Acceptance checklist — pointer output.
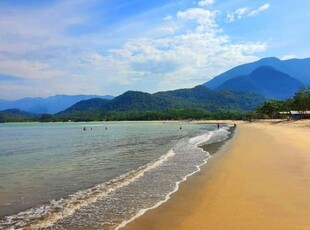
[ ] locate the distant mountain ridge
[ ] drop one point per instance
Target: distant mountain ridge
(199, 97)
(198, 102)
(241, 89)
(52, 104)
(16, 115)
(265, 81)
(296, 68)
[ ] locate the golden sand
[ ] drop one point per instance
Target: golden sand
(258, 180)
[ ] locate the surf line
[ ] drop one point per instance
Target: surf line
(47, 215)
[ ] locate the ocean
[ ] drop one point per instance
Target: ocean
(94, 175)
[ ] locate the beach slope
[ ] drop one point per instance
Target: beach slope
(258, 180)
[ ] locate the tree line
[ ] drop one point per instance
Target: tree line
(273, 108)
(268, 109)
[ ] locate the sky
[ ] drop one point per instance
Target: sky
(50, 47)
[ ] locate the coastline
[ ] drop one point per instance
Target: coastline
(210, 148)
(258, 179)
(187, 149)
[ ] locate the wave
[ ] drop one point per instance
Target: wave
(46, 215)
(195, 142)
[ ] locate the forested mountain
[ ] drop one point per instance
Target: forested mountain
(16, 115)
(296, 68)
(51, 104)
(265, 81)
(198, 98)
(234, 92)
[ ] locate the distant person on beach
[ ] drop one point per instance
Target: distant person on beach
(235, 125)
(218, 125)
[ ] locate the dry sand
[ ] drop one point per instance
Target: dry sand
(258, 180)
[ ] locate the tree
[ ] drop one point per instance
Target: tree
(271, 108)
(46, 118)
(301, 100)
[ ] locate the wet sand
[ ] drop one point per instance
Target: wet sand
(260, 179)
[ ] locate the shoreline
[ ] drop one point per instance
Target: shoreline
(138, 121)
(239, 190)
(209, 148)
(199, 163)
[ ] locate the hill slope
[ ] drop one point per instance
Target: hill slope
(197, 98)
(16, 115)
(265, 81)
(53, 104)
(296, 68)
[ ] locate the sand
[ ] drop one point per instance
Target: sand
(260, 179)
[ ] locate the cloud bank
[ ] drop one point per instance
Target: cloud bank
(205, 2)
(245, 12)
(57, 49)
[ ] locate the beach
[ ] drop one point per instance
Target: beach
(260, 179)
(97, 178)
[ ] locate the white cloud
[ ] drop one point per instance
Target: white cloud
(168, 17)
(204, 18)
(288, 56)
(185, 49)
(181, 60)
(230, 17)
(245, 12)
(32, 29)
(259, 10)
(205, 2)
(28, 69)
(241, 12)
(165, 30)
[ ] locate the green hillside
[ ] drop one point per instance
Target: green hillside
(16, 115)
(198, 102)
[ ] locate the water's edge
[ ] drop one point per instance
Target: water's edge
(210, 149)
(49, 214)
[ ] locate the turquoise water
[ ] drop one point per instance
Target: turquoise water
(57, 175)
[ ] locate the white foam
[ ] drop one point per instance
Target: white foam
(200, 139)
(168, 196)
(195, 142)
(47, 215)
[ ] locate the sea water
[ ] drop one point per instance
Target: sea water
(94, 175)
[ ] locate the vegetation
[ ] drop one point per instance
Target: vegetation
(16, 115)
(196, 103)
(169, 114)
(272, 108)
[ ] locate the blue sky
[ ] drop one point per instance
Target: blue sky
(111, 46)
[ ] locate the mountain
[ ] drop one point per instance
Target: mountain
(197, 98)
(16, 115)
(53, 104)
(87, 105)
(130, 100)
(296, 68)
(265, 81)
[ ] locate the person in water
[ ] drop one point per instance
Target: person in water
(218, 125)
